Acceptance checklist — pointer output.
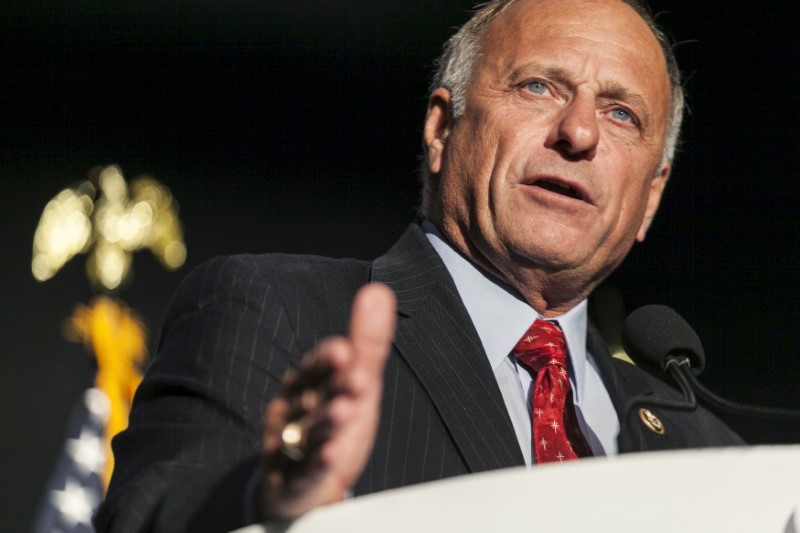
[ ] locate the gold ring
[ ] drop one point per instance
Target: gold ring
(291, 437)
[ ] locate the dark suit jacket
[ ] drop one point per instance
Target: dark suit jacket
(238, 323)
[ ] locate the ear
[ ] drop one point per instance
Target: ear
(437, 128)
(654, 199)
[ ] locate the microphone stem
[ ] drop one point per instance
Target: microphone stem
(679, 368)
(776, 413)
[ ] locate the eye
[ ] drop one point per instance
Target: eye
(621, 115)
(537, 87)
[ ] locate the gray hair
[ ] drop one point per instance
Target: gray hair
(461, 53)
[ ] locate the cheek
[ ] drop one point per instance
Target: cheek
(472, 162)
(481, 149)
(457, 188)
(632, 208)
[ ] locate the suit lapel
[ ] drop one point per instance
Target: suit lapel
(623, 382)
(436, 338)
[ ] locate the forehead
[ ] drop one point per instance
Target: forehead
(604, 38)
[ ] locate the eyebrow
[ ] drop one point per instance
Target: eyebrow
(616, 91)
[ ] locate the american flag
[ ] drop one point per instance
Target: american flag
(75, 488)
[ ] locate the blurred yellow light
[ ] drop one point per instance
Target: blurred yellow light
(174, 255)
(117, 223)
(64, 230)
(113, 184)
(42, 267)
(112, 264)
(143, 213)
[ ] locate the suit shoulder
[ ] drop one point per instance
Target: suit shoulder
(320, 290)
(245, 270)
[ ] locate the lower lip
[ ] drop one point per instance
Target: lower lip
(553, 197)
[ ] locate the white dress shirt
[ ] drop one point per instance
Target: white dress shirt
(501, 317)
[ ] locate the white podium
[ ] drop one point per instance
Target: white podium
(728, 490)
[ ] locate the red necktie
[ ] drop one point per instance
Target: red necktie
(555, 432)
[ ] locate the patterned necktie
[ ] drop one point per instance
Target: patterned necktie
(555, 432)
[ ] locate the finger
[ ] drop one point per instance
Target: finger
(275, 419)
(318, 368)
(297, 453)
(372, 326)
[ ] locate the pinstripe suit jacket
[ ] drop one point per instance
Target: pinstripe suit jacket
(238, 323)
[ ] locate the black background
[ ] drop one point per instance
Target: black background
(295, 126)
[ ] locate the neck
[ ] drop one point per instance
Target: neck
(549, 291)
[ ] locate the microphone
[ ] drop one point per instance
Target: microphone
(654, 335)
(644, 334)
(659, 340)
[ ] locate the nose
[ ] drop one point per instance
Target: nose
(575, 133)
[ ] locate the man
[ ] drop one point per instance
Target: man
(548, 143)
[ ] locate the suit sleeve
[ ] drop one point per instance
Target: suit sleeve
(193, 441)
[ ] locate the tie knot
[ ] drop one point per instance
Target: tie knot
(543, 344)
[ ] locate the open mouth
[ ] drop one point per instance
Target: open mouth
(559, 188)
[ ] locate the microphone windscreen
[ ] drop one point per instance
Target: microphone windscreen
(653, 332)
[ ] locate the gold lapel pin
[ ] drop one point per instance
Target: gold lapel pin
(651, 421)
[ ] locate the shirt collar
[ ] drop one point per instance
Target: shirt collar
(500, 315)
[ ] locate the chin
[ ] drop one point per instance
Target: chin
(562, 247)
(548, 258)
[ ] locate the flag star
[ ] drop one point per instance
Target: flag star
(555, 426)
(98, 405)
(75, 503)
(529, 338)
(551, 344)
(538, 412)
(560, 457)
(87, 452)
(543, 442)
(562, 372)
(551, 396)
(552, 362)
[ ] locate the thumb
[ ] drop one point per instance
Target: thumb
(372, 325)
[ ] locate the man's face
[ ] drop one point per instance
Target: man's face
(555, 166)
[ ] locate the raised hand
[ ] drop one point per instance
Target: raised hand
(320, 428)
